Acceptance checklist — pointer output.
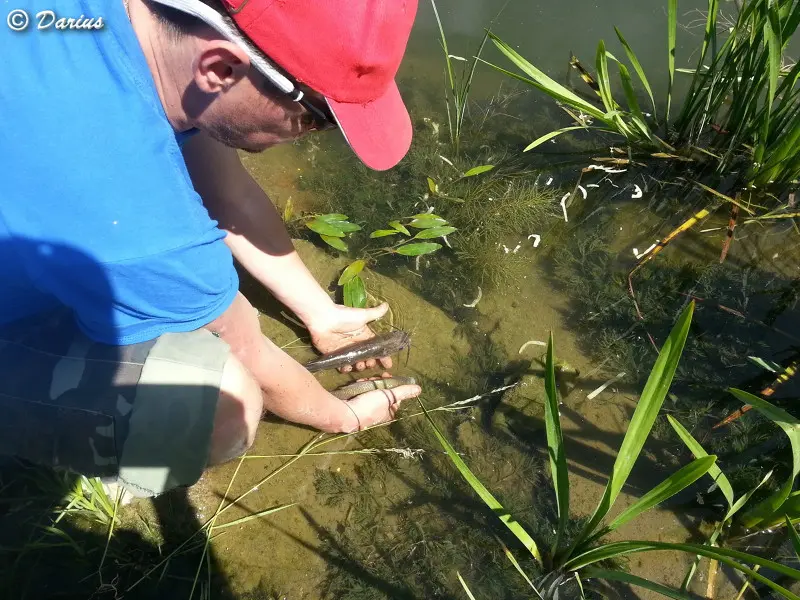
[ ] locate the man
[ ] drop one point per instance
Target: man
(125, 347)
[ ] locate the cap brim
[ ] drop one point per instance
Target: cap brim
(379, 132)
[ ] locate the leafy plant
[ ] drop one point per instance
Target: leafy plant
(779, 508)
(583, 558)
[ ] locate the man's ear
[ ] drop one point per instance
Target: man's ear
(220, 66)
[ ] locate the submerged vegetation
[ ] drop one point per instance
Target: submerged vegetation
(582, 559)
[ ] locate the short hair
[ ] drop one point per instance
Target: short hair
(178, 24)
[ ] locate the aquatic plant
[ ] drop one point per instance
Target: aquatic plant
(581, 557)
(741, 520)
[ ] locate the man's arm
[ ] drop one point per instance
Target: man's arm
(258, 239)
(289, 390)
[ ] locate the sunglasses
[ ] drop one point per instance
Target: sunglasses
(319, 111)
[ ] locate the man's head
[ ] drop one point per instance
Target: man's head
(254, 73)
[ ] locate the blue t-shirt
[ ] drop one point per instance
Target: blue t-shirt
(97, 211)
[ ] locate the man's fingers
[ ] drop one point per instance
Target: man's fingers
(405, 392)
(386, 362)
(346, 369)
(370, 362)
(373, 314)
(360, 366)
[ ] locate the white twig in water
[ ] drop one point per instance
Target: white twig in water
(536, 239)
(506, 249)
(416, 262)
(447, 160)
(474, 399)
(446, 241)
(564, 207)
(603, 387)
(530, 343)
(583, 191)
(637, 192)
(516, 248)
(474, 303)
(712, 229)
(592, 185)
(549, 181)
(293, 320)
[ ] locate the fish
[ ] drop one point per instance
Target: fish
(380, 345)
(362, 387)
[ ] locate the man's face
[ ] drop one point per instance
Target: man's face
(253, 116)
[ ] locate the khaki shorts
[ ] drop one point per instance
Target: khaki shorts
(141, 414)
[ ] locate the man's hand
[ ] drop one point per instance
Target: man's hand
(378, 406)
(341, 326)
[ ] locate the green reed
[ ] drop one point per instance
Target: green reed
(583, 557)
(741, 112)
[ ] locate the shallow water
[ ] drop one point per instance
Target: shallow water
(385, 526)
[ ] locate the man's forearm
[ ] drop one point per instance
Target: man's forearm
(256, 234)
(289, 390)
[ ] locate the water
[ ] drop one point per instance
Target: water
(383, 526)
(387, 526)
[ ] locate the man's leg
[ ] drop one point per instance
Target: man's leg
(155, 414)
(239, 411)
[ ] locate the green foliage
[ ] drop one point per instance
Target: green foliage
(568, 560)
(740, 90)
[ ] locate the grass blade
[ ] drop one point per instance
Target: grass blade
(699, 452)
(793, 537)
(485, 495)
(732, 558)
(603, 80)
(650, 402)
(791, 427)
(512, 559)
(637, 581)
(555, 443)
(464, 585)
(637, 67)
(672, 34)
(673, 484)
(544, 82)
(552, 134)
(257, 515)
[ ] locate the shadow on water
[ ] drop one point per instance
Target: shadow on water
(41, 555)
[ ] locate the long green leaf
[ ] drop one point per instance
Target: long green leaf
(543, 81)
(791, 427)
(793, 537)
(772, 33)
(637, 581)
(699, 452)
(603, 80)
(732, 558)
(637, 67)
(672, 34)
(745, 498)
(630, 94)
(351, 271)
(650, 402)
(513, 560)
(379, 233)
(555, 443)
(485, 495)
(551, 135)
(399, 227)
(673, 484)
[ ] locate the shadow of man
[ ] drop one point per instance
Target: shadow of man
(66, 408)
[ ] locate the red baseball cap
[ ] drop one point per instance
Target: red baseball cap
(348, 51)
